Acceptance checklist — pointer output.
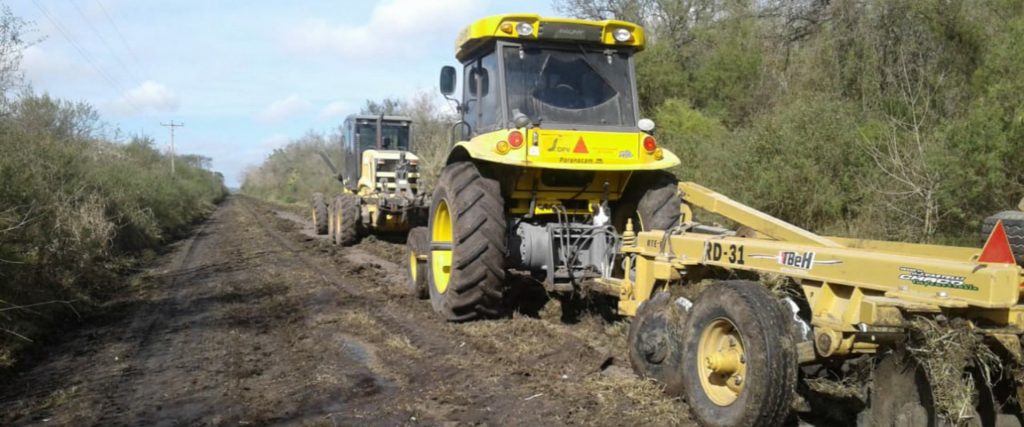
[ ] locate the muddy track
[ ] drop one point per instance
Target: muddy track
(256, 321)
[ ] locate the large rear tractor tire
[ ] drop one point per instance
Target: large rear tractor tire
(349, 222)
(651, 200)
(417, 245)
(318, 208)
(467, 244)
(656, 342)
(739, 357)
(1013, 223)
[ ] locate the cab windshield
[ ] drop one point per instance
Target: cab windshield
(570, 86)
(394, 136)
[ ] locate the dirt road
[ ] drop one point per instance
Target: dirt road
(253, 321)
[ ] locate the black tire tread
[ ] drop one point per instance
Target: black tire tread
(348, 232)
(477, 281)
(760, 306)
(654, 197)
(418, 241)
(1013, 223)
(319, 205)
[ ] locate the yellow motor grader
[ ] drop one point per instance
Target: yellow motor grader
(553, 175)
(379, 177)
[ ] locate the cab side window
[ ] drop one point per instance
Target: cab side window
(481, 94)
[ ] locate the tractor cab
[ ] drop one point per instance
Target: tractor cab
(553, 93)
(378, 154)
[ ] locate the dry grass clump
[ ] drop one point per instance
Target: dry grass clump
(945, 350)
(845, 387)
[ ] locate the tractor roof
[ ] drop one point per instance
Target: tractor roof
(557, 30)
(374, 117)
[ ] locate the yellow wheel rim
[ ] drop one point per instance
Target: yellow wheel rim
(721, 362)
(441, 235)
(412, 265)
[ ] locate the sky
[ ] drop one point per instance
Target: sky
(243, 76)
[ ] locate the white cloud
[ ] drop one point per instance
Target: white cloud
(150, 95)
(283, 109)
(335, 110)
(395, 27)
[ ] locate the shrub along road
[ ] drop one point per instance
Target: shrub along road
(253, 320)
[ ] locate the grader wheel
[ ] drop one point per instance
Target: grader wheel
(467, 244)
(739, 357)
(347, 220)
(332, 220)
(417, 245)
(318, 213)
(655, 342)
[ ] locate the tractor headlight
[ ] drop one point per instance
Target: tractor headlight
(524, 29)
(622, 35)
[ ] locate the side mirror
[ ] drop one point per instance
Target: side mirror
(646, 125)
(447, 80)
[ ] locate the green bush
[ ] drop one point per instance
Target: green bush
(74, 206)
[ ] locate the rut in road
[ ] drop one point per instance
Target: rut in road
(251, 321)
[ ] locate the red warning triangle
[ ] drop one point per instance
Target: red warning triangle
(581, 147)
(997, 247)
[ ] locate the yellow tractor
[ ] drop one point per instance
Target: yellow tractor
(551, 158)
(379, 177)
(555, 176)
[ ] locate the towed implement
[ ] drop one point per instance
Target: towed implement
(380, 189)
(777, 307)
(555, 178)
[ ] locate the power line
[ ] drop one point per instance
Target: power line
(64, 33)
(120, 35)
(103, 40)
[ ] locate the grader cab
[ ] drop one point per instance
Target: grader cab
(379, 176)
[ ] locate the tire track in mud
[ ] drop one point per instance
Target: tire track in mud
(116, 390)
(423, 338)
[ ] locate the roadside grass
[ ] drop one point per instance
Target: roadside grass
(78, 209)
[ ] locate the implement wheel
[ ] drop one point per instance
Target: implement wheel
(417, 245)
(899, 395)
(650, 200)
(739, 357)
(347, 220)
(467, 244)
(656, 342)
(318, 213)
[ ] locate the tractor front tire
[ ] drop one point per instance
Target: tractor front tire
(318, 213)
(739, 356)
(467, 245)
(1013, 223)
(348, 220)
(417, 245)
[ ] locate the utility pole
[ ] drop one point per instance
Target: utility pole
(172, 125)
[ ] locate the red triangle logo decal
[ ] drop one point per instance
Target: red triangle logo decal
(581, 147)
(997, 247)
